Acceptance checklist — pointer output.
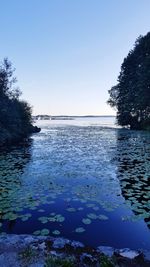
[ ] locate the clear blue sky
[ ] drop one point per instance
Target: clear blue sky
(68, 53)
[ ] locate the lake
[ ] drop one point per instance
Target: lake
(83, 179)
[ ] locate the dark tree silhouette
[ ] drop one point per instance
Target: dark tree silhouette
(131, 95)
(15, 115)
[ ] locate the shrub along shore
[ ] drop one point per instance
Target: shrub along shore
(8, 138)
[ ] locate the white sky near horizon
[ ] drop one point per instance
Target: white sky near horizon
(68, 54)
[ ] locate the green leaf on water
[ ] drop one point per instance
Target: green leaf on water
(86, 221)
(38, 232)
(102, 217)
(43, 219)
(92, 216)
(71, 209)
(44, 231)
(80, 230)
(56, 232)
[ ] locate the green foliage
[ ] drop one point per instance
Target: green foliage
(15, 115)
(27, 254)
(55, 262)
(131, 96)
(105, 261)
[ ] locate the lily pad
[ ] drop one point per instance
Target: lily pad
(43, 219)
(102, 217)
(71, 209)
(80, 230)
(92, 216)
(86, 221)
(44, 231)
(59, 218)
(56, 232)
(38, 232)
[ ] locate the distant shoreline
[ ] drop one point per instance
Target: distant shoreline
(67, 117)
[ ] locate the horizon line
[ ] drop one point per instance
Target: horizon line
(75, 115)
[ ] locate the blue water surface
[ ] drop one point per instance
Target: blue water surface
(83, 179)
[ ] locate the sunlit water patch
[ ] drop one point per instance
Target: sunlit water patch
(80, 180)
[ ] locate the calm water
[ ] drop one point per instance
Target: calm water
(82, 179)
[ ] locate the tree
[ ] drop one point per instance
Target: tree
(131, 95)
(7, 80)
(15, 114)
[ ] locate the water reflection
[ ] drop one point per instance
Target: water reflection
(16, 156)
(133, 171)
(12, 164)
(65, 182)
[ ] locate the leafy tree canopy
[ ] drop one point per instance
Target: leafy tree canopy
(131, 95)
(15, 114)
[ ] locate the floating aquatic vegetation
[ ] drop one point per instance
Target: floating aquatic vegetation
(86, 221)
(44, 231)
(90, 172)
(25, 217)
(10, 216)
(43, 219)
(53, 218)
(37, 232)
(56, 232)
(92, 216)
(102, 217)
(58, 218)
(80, 230)
(71, 209)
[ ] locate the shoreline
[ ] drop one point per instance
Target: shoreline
(41, 251)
